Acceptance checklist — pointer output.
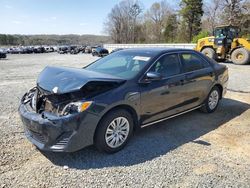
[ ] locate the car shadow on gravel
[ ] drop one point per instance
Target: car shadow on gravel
(156, 140)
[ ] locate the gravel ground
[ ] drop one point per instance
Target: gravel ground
(192, 150)
(239, 77)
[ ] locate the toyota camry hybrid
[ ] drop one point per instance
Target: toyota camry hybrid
(104, 102)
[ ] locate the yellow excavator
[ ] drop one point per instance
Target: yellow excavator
(226, 45)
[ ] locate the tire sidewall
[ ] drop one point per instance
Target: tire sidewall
(100, 141)
(210, 51)
(243, 61)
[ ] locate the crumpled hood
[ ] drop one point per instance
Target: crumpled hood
(64, 80)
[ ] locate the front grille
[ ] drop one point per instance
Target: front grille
(37, 136)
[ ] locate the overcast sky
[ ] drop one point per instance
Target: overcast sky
(57, 16)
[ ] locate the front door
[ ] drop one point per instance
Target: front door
(161, 98)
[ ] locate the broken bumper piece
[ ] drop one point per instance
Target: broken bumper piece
(60, 134)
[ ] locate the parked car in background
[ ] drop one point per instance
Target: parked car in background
(27, 50)
(30, 49)
(88, 49)
(15, 50)
(103, 103)
(63, 50)
(73, 49)
(48, 49)
(39, 49)
(82, 48)
(100, 52)
(8, 50)
(93, 48)
(3, 53)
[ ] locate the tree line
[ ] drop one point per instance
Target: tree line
(128, 22)
(27, 40)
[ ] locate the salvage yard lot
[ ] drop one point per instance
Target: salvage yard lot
(192, 150)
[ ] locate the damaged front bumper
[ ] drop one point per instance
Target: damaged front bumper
(59, 133)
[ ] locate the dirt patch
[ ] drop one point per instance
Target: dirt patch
(205, 169)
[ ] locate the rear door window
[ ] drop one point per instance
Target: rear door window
(192, 62)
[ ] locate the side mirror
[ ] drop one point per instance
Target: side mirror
(152, 76)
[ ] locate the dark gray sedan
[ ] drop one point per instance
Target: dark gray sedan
(3, 53)
(103, 103)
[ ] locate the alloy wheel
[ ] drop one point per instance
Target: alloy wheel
(213, 99)
(117, 132)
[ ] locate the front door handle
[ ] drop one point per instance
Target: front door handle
(187, 81)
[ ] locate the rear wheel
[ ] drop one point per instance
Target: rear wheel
(209, 52)
(114, 131)
(212, 100)
(240, 56)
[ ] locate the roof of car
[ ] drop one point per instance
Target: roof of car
(155, 50)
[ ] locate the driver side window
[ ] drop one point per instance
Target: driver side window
(167, 65)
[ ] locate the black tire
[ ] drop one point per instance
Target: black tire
(240, 56)
(207, 108)
(100, 141)
(209, 52)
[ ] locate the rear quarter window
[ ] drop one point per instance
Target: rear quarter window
(192, 62)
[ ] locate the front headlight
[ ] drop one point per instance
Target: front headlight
(76, 107)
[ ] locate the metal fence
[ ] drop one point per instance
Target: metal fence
(111, 47)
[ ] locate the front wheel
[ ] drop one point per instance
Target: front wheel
(114, 131)
(212, 101)
(209, 52)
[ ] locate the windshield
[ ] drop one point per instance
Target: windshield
(220, 33)
(229, 32)
(124, 64)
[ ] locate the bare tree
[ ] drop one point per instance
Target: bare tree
(122, 20)
(113, 26)
(232, 11)
(245, 21)
(134, 11)
(212, 14)
(155, 19)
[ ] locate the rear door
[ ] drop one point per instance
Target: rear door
(199, 78)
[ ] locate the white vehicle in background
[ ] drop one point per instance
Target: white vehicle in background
(49, 49)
